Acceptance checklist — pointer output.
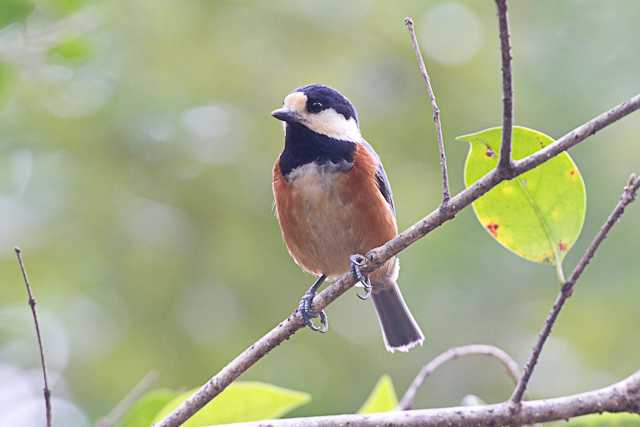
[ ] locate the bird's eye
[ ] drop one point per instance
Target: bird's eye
(316, 107)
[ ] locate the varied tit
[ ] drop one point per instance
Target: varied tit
(333, 200)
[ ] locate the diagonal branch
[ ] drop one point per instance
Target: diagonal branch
(466, 197)
(501, 356)
(436, 111)
(623, 396)
(376, 257)
(628, 196)
(34, 313)
(507, 87)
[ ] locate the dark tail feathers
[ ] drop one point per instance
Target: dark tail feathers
(399, 329)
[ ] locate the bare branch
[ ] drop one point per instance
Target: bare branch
(507, 361)
(116, 414)
(436, 218)
(376, 257)
(628, 196)
(436, 111)
(507, 87)
(620, 397)
(34, 313)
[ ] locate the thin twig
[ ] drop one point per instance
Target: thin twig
(507, 361)
(436, 111)
(378, 256)
(34, 312)
(505, 164)
(116, 414)
(628, 196)
(623, 396)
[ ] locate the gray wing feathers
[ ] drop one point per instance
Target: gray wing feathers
(381, 178)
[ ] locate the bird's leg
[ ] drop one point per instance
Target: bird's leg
(357, 261)
(306, 311)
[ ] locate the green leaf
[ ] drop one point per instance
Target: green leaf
(537, 215)
(240, 402)
(143, 412)
(14, 11)
(605, 420)
(382, 398)
(74, 49)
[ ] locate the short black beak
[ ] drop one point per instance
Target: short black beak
(285, 115)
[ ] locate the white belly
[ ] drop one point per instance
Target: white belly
(327, 213)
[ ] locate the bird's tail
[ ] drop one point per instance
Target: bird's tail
(399, 330)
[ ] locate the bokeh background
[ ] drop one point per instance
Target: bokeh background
(136, 149)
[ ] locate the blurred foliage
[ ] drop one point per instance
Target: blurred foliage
(145, 409)
(606, 420)
(136, 178)
(240, 402)
(537, 215)
(382, 398)
(14, 11)
(72, 50)
(243, 402)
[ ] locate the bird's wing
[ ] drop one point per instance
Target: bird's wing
(381, 177)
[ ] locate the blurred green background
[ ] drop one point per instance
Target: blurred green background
(136, 149)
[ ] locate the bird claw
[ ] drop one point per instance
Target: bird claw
(308, 314)
(357, 261)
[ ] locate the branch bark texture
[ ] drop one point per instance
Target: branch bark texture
(376, 257)
(620, 397)
(501, 356)
(628, 196)
(32, 304)
(446, 195)
(507, 86)
(507, 169)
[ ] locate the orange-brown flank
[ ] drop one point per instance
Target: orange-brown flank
(327, 216)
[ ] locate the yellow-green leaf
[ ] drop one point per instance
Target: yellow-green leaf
(605, 420)
(382, 398)
(241, 402)
(537, 215)
(143, 412)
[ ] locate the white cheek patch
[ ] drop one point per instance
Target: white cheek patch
(333, 124)
(327, 122)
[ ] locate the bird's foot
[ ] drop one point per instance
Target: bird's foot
(357, 261)
(306, 311)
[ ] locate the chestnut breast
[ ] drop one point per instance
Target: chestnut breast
(329, 211)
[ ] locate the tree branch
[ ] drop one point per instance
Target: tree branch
(507, 87)
(34, 313)
(507, 361)
(408, 21)
(436, 218)
(620, 397)
(628, 196)
(376, 257)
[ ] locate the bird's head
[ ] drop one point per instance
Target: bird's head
(322, 110)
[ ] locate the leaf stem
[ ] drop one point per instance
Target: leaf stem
(559, 269)
(627, 197)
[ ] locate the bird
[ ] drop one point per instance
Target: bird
(333, 202)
